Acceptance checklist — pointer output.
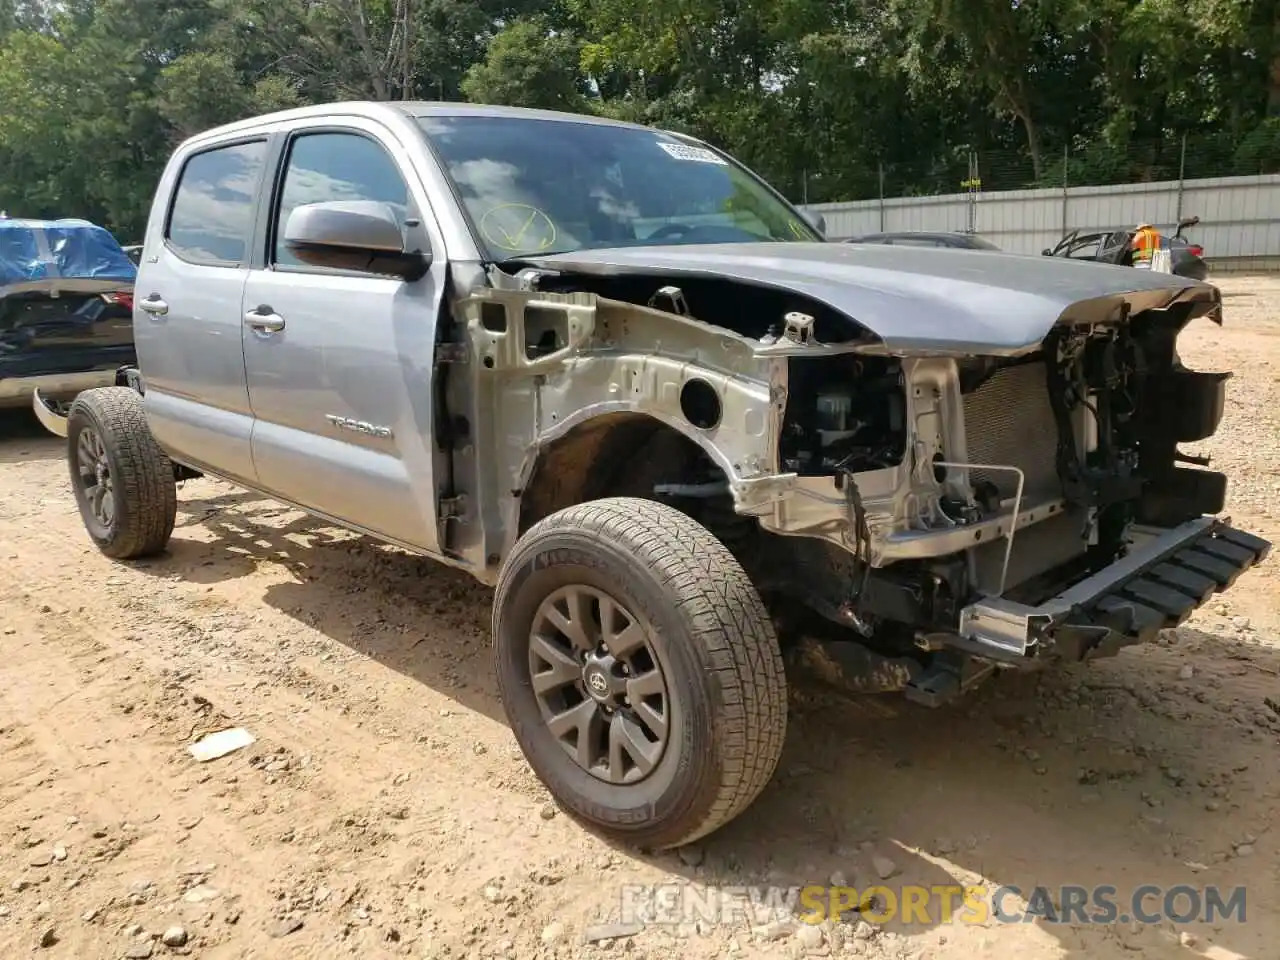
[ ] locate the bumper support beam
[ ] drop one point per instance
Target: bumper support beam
(1165, 576)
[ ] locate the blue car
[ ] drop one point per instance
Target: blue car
(66, 309)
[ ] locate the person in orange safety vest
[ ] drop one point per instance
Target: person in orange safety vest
(1146, 240)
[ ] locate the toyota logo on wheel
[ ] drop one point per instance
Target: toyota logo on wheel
(597, 682)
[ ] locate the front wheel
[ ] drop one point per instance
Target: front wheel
(122, 480)
(639, 670)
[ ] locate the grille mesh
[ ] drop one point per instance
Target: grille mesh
(1008, 420)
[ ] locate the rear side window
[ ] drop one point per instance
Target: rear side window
(337, 166)
(213, 206)
(1085, 250)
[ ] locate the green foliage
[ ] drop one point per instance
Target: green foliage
(1259, 152)
(828, 99)
(530, 64)
(201, 90)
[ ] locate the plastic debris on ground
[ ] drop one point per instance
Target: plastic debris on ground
(220, 744)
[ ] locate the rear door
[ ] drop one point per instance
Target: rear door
(340, 363)
(1084, 248)
(187, 317)
(1115, 247)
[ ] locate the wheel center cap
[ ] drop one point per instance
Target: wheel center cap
(596, 682)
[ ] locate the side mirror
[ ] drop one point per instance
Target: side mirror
(817, 221)
(352, 235)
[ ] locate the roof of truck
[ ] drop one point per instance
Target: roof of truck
(436, 108)
(414, 109)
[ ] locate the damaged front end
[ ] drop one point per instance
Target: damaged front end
(922, 515)
(1036, 507)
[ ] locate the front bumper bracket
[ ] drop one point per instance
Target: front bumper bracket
(1164, 577)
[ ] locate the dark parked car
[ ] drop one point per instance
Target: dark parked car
(1114, 246)
(66, 309)
(925, 238)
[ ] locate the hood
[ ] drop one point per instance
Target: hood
(915, 300)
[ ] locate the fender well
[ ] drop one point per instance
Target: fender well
(613, 454)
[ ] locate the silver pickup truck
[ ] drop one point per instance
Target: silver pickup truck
(611, 372)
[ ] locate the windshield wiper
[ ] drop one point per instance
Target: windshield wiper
(527, 257)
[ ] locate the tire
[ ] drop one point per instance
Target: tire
(724, 705)
(107, 425)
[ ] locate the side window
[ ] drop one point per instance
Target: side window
(1085, 250)
(336, 166)
(212, 208)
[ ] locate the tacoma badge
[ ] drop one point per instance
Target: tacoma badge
(359, 426)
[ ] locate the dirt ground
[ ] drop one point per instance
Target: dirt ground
(385, 811)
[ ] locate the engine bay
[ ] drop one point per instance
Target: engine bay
(845, 414)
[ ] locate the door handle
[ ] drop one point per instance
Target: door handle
(264, 318)
(154, 305)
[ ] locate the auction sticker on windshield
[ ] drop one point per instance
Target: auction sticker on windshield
(683, 151)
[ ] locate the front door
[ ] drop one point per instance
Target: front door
(340, 363)
(187, 298)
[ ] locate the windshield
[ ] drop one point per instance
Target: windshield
(534, 186)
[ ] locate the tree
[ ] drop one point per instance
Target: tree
(202, 90)
(529, 64)
(828, 99)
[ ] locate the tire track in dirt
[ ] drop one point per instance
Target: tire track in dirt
(143, 811)
(180, 633)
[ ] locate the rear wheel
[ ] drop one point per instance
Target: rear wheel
(639, 670)
(122, 480)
